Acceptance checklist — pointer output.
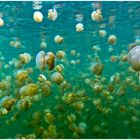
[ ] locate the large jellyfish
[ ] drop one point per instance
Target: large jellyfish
(134, 59)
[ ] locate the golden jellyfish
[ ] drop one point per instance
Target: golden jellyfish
(38, 16)
(43, 59)
(59, 68)
(12, 43)
(50, 59)
(42, 78)
(52, 14)
(8, 103)
(21, 76)
(112, 39)
(1, 22)
(25, 58)
(98, 68)
(60, 54)
(58, 39)
(98, 87)
(57, 78)
(52, 133)
(24, 104)
(79, 27)
(72, 62)
(96, 15)
(73, 52)
(49, 118)
(102, 33)
(29, 90)
(17, 44)
(82, 126)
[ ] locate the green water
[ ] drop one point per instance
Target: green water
(117, 113)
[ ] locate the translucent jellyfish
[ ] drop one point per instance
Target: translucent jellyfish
(96, 15)
(1, 22)
(102, 33)
(49, 59)
(56, 78)
(43, 59)
(25, 58)
(79, 27)
(52, 14)
(58, 39)
(38, 16)
(40, 60)
(134, 59)
(112, 39)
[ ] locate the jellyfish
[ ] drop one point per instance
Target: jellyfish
(1, 22)
(134, 59)
(38, 16)
(43, 59)
(40, 60)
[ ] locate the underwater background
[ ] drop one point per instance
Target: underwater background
(89, 101)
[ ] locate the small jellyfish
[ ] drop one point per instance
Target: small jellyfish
(42, 78)
(43, 45)
(60, 54)
(134, 59)
(38, 16)
(112, 40)
(52, 14)
(96, 15)
(25, 58)
(58, 39)
(79, 27)
(1, 22)
(57, 78)
(102, 33)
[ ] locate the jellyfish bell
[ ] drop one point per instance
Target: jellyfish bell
(40, 60)
(79, 27)
(57, 78)
(43, 59)
(1, 22)
(52, 14)
(112, 39)
(58, 39)
(50, 59)
(134, 58)
(25, 58)
(38, 16)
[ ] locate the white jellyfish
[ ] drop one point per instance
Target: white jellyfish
(38, 16)
(52, 14)
(134, 59)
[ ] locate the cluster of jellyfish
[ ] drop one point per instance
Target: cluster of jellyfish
(75, 111)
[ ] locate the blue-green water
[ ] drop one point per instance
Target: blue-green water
(84, 104)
